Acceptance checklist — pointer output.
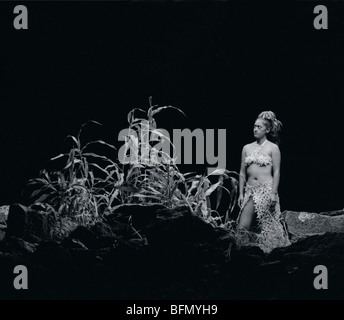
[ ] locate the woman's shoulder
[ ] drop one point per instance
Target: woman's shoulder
(248, 146)
(252, 144)
(273, 145)
(245, 146)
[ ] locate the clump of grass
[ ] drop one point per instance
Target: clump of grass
(150, 181)
(199, 189)
(77, 191)
(90, 186)
(153, 178)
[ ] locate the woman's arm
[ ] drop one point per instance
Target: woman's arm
(242, 175)
(276, 162)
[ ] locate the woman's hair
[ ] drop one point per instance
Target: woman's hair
(274, 124)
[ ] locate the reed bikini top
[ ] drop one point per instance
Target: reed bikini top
(259, 159)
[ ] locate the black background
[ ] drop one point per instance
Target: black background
(222, 63)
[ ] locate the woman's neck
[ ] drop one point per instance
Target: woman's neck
(261, 140)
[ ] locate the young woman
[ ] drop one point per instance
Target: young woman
(260, 213)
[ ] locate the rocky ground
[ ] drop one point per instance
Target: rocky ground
(176, 255)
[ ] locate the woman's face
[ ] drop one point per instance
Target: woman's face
(260, 128)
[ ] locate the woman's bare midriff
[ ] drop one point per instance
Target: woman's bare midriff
(258, 174)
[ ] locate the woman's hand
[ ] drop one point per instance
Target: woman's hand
(240, 200)
(273, 199)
